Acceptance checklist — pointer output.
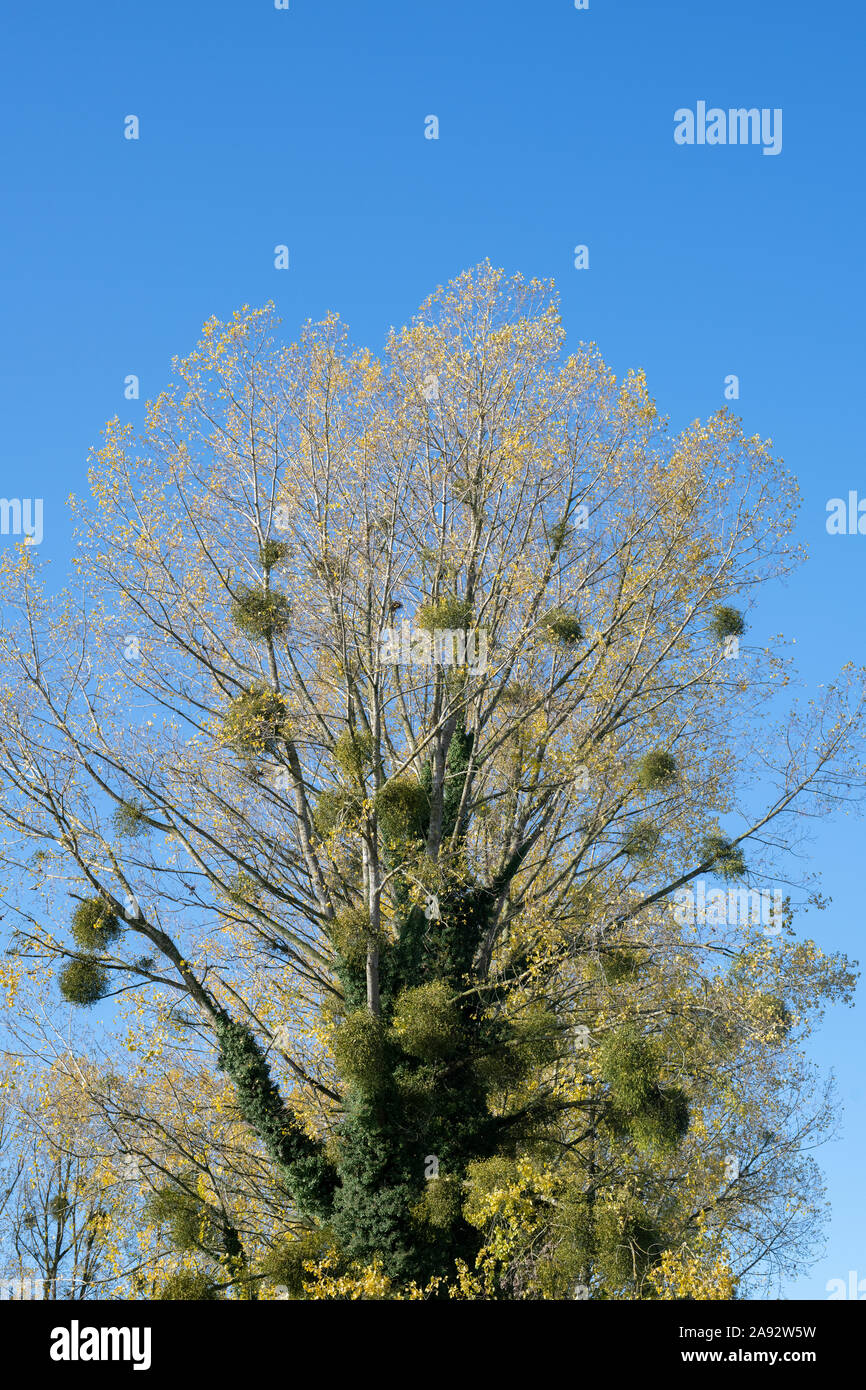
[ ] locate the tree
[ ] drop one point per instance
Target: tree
(382, 733)
(63, 1204)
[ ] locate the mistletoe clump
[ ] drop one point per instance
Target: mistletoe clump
(361, 1051)
(626, 1242)
(188, 1286)
(656, 1118)
(629, 1065)
(351, 932)
(427, 1022)
(657, 769)
(129, 819)
(190, 1223)
(774, 1014)
(562, 626)
(333, 808)
(285, 1263)
(445, 614)
(261, 614)
(641, 840)
(353, 752)
(519, 1049)
(518, 693)
(403, 809)
(725, 858)
(94, 925)
(727, 622)
(83, 981)
(257, 722)
(663, 1121)
(620, 964)
(557, 535)
(441, 1205)
(242, 890)
(331, 568)
(273, 553)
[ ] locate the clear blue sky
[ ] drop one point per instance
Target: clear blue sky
(306, 127)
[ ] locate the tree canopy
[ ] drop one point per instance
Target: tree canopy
(395, 703)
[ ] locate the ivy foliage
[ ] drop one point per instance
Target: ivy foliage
(309, 1175)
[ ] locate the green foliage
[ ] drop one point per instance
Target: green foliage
(562, 626)
(727, 622)
(284, 1263)
(657, 769)
(641, 839)
(257, 722)
(188, 1286)
(361, 1051)
(83, 981)
(58, 1207)
(94, 925)
(427, 1021)
(129, 819)
(725, 858)
(457, 761)
(442, 1201)
(400, 1107)
(403, 809)
(446, 614)
(353, 752)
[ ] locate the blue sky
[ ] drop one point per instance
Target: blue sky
(306, 127)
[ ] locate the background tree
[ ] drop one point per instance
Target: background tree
(61, 1209)
(397, 700)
